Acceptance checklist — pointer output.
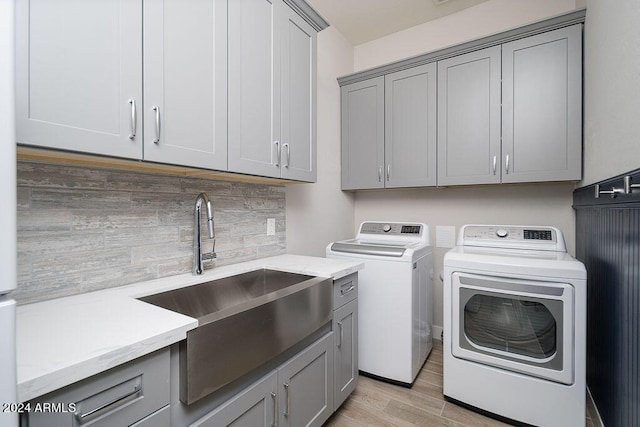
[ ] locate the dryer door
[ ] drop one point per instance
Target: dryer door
(521, 325)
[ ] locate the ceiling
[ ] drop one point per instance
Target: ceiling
(361, 21)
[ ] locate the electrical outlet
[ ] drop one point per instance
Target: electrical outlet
(271, 226)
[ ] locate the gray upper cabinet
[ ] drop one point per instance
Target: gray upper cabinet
(254, 86)
(212, 84)
(469, 118)
(79, 76)
(512, 113)
(298, 120)
(363, 134)
(271, 91)
(410, 127)
(185, 82)
(509, 110)
(389, 130)
(542, 107)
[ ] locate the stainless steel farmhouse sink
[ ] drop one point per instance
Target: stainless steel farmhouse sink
(243, 322)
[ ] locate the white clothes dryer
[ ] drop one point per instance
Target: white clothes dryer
(515, 325)
(395, 297)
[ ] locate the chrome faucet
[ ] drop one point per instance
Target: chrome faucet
(198, 256)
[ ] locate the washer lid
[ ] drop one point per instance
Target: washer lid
(355, 247)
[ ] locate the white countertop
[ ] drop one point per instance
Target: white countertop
(65, 340)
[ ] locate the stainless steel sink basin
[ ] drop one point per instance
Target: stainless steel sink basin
(243, 322)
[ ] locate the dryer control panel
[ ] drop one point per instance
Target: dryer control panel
(512, 236)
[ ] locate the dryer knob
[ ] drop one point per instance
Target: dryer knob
(501, 232)
(386, 228)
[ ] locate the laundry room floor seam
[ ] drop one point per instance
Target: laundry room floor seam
(377, 403)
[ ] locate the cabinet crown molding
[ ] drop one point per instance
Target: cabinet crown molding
(549, 24)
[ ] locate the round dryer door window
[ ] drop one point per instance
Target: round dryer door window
(511, 325)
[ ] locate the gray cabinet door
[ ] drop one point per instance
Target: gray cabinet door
(410, 127)
(185, 84)
(469, 118)
(120, 396)
(345, 327)
(255, 406)
(254, 87)
(306, 386)
(298, 126)
(542, 107)
(363, 134)
(78, 65)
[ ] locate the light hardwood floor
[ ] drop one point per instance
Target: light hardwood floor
(376, 403)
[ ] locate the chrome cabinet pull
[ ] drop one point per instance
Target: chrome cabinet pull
(286, 389)
(277, 144)
(84, 417)
(341, 334)
(344, 292)
(134, 119)
(286, 145)
(275, 409)
(380, 174)
(388, 171)
(495, 163)
(157, 111)
(506, 166)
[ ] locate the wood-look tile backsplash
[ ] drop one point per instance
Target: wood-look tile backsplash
(83, 229)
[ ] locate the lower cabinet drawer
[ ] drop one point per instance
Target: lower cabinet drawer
(120, 396)
(345, 289)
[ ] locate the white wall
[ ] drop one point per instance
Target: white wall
(487, 18)
(548, 204)
(611, 89)
(320, 213)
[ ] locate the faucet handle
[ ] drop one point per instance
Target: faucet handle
(209, 256)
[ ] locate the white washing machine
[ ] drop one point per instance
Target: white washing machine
(515, 325)
(395, 297)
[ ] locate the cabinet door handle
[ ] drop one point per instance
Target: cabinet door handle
(351, 287)
(286, 409)
(506, 164)
(157, 111)
(495, 163)
(286, 145)
(388, 171)
(341, 334)
(277, 144)
(380, 174)
(275, 409)
(134, 119)
(118, 401)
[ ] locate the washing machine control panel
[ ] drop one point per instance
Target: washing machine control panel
(390, 228)
(536, 237)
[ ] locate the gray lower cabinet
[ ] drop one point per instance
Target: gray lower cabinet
(306, 386)
(345, 327)
(512, 113)
(272, 74)
(298, 393)
(136, 393)
(389, 130)
(345, 321)
(256, 406)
